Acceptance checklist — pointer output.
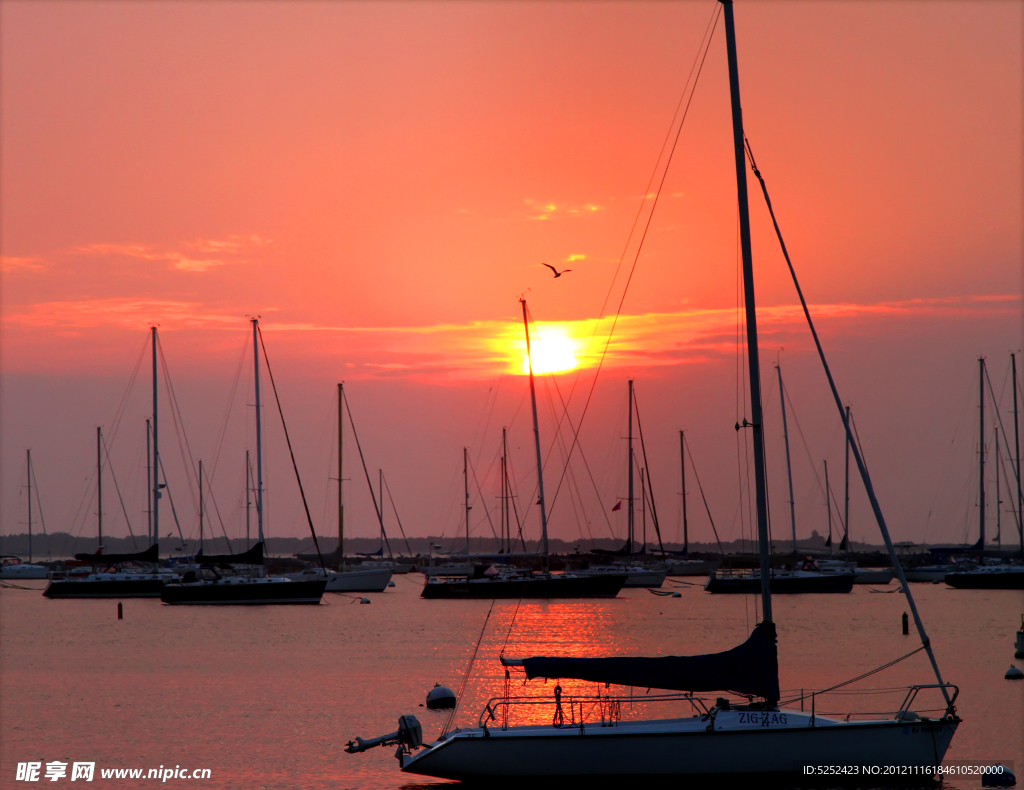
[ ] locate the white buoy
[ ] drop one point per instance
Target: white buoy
(677, 595)
(440, 697)
(391, 584)
(1013, 673)
(364, 600)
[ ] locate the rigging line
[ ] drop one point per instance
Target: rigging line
(700, 488)
(378, 510)
(803, 439)
(219, 444)
(643, 238)
(39, 503)
(170, 498)
(291, 452)
(999, 418)
(216, 509)
(179, 428)
(647, 466)
(483, 500)
(397, 517)
(512, 497)
(586, 463)
(117, 488)
(875, 671)
(122, 406)
(83, 508)
(469, 670)
(861, 467)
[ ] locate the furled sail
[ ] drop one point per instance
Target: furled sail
(253, 556)
(751, 668)
(149, 555)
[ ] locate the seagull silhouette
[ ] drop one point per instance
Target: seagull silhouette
(557, 273)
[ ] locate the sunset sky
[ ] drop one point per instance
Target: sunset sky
(381, 183)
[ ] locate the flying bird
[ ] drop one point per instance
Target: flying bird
(557, 273)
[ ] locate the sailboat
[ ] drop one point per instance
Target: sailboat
(11, 566)
(109, 578)
(487, 582)
(757, 738)
(227, 579)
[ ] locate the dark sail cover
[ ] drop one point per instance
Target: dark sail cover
(253, 556)
(751, 668)
(152, 554)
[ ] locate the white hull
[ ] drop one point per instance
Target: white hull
(448, 569)
(872, 576)
(692, 567)
(24, 571)
(356, 579)
(359, 580)
(635, 576)
(741, 744)
(928, 574)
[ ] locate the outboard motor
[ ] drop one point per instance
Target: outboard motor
(408, 736)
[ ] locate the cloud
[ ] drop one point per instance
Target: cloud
(13, 263)
(546, 210)
(228, 250)
(477, 349)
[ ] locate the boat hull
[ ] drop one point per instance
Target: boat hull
(872, 576)
(359, 580)
(885, 752)
(1005, 580)
(603, 586)
(692, 567)
(751, 585)
(255, 593)
(108, 588)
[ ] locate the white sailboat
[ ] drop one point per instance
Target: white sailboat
(761, 738)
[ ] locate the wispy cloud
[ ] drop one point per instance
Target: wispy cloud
(192, 256)
(548, 210)
(485, 348)
(13, 263)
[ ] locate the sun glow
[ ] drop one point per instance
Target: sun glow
(552, 350)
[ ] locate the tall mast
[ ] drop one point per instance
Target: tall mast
(200, 504)
(248, 498)
(846, 488)
(753, 360)
(536, 442)
(465, 486)
(155, 516)
(28, 472)
(380, 488)
(630, 516)
(999, 501)
(643, 509)
(507, 524)
(828, 508)
(682, 470)
(789, 468)
(259, 431)
(1016, 452)
(149, 493)
(981, 453)
(341, 477)
(99, 485)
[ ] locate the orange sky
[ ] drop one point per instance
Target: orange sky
(382, 181)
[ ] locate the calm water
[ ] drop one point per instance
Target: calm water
(267, 697)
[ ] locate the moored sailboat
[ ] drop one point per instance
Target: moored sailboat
(758, 738)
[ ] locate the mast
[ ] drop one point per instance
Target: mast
(259, 429)
(248, 499)
(789, 468)
(155, 515)
(465, 485)
(846, 489)
(99, 485)
(981, 453)
(341, 463)
(28, 472)
(643, 509)
(380, 488)
(682, 469)
(200, 505)
(753, 360)
(1016, 452)
(999, 501)
(630, 516)
(506, 523)
(536, 442)
(149, 494)
(828, 508)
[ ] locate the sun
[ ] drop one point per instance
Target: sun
(553, 351)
